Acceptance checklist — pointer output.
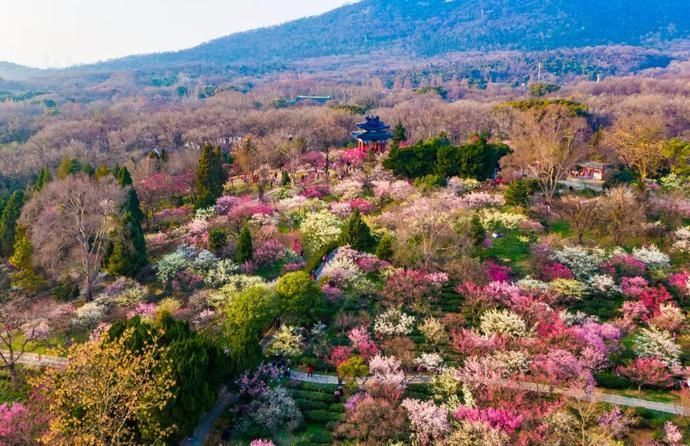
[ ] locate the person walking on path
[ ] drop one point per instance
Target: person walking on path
(310, 371)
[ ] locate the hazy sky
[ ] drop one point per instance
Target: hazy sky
(57, 33)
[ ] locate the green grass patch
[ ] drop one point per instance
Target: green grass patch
(510, 248)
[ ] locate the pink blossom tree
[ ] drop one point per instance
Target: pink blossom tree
(502, 419)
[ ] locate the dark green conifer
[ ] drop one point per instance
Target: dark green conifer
(8, 223)
(385, 250)
(126, 255)
(245, 246)
(399, 133)
(44, 177)
(210, 177)
(357, 233)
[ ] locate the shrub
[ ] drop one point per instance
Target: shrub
(429, 182)
(312, 395)
(66, 289)
(321, 416)
(306, 404)
(609, 380)
(217, 239)
(321, 437)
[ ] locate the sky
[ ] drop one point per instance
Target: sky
(60, 33)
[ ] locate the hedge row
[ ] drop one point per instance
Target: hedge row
(321, 416)
(311, 404)
(315, 396)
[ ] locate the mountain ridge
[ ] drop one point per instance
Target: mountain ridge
(432, 27)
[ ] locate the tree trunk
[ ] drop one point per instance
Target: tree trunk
(14, 375)
(89, 289)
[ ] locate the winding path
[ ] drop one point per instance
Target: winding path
(39, 361)
(208, 420)
(225, 398)
(618, 400)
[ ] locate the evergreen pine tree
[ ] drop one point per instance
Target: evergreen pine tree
(44, 177)
(477, 231)
(123, 177)
(210, 177)
(285, 179)
(357, 233)
(8, 223)
(245, 246)
(69, 166)
(126, 254)
(384, 250)
(24, 275)
(399, 134)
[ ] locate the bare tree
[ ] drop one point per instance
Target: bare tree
(622, 214)
(547, 144)
(582, 213)
(639, 143)
(69, 223)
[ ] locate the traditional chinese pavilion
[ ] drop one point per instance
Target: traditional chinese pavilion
(372, 135)
(591, 170)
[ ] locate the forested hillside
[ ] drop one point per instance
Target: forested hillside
(435, 27)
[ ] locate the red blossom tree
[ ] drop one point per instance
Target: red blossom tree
(647, 372)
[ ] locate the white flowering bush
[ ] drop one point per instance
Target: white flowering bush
(287, 342)
(399, 190)
(275, 409)
(348, 189)
(462, 185)
(429, 362)
(184, 258)
(235, 285)
(447, 390)
(343, 271)
(568, 288)
(583, 262)
(394, 323)
(319, 229)
(221, 273)
(205, 214)
(291, 203)
(577, 318)
(530, 284)
(603, 284)
(502, 322)
(656, 343)
(495, 219)
(433, 331)
(511, 362)
(125, 291)
(89, 315)
(682, 239)
(477, 200)
(306, 207)
(652, 257)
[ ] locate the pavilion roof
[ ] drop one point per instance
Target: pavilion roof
(373, 124)
(372, 136)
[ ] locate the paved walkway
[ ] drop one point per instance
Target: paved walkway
(39, 361)
(618, 400)
(208, 420)
(225, 398)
